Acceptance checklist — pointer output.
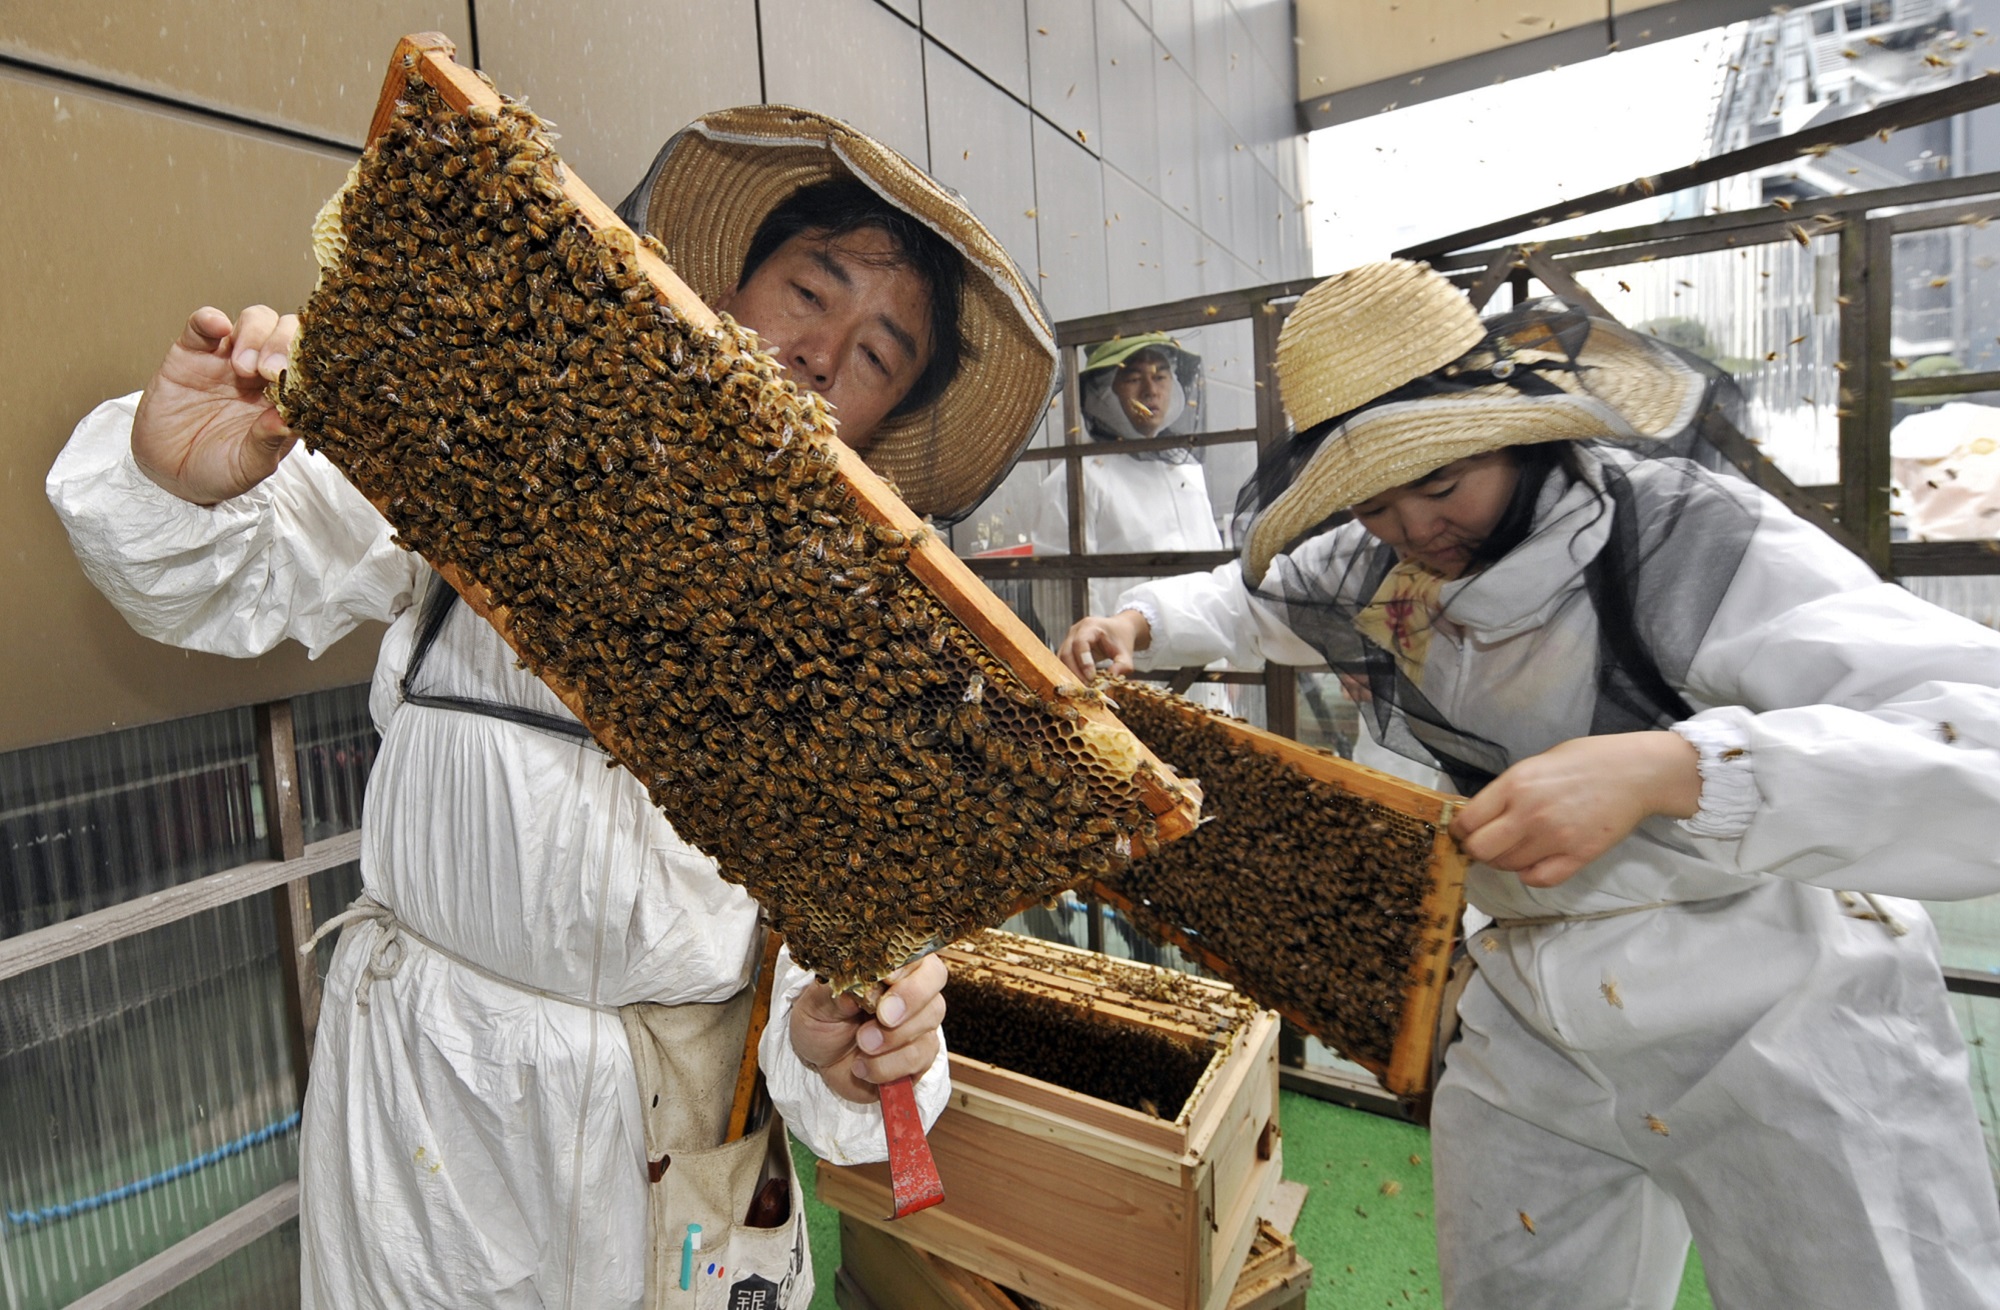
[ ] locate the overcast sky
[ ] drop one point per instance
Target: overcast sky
(1431, 169)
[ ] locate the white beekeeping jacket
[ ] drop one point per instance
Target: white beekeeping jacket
(487, 1103)
(1130, 505)
(1872, 720)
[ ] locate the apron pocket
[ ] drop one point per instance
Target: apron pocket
(736, 1267)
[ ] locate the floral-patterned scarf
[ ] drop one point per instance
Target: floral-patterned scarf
(1400, 616)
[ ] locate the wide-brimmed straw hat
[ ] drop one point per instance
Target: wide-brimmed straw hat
(1397, 327)
(713, 184)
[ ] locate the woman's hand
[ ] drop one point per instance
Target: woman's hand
(1115, 639)
(1553, 813)
(205, 430)
(855, 1051)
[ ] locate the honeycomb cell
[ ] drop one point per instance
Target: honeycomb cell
(653, 517)
(1313, 895)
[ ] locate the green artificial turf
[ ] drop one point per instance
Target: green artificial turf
(1366, 1226)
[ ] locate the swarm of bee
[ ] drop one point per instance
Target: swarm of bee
(655, 519)
(1314, 896)
(1055, 1035)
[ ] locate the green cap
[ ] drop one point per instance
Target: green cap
(1110, 354)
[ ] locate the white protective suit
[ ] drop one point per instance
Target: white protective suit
(1759, 1062)
(1130, 505)
(472, 1126)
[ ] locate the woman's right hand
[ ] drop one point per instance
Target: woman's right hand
(1115, 639)
(205, 430)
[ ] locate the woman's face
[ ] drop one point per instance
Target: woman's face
(1145, 387)
(1440, 519)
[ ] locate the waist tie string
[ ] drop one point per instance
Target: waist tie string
(1546, 920)
(1848, 900)
(387, 955)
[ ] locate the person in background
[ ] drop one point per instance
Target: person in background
(533, 1019)
(1706, 751)
(1134, 389)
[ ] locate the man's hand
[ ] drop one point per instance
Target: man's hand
(1115, 639)
(1553, 813)
(855, 1051)
(204, 430)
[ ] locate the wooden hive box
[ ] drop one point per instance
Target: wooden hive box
(879, 1272)
(1074, 1200)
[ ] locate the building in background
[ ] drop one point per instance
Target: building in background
(1766, 314)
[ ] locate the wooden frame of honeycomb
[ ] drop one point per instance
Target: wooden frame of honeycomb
(810, 684)
(1327, 890)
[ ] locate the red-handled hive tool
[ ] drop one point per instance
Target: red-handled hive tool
(913, 1175)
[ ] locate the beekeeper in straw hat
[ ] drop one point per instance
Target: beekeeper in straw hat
(542, 1001)
(1708, 753)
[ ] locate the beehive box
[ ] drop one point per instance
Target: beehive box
(1324, 889)
(1073, 1199)
(812, 687)
(879, 1272)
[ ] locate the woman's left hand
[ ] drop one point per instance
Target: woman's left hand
(1553, 813)
(856, 1051)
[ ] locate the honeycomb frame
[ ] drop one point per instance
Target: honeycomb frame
(812, 687)
(1344, 886)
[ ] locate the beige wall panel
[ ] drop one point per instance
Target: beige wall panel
(316, 66)
(618, 77)
(1346, 43)
(116, 221)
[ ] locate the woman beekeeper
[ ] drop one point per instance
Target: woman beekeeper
(1694, 729)
(543, 1002)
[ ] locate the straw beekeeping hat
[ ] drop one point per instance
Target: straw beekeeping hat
(1397, 359)
(715, 181)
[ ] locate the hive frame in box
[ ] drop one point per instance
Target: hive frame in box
(1411, 1064)
(1083, 1204)
(1173, 806)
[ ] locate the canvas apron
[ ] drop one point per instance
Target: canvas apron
(685, 1058)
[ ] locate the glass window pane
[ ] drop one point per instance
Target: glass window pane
(99, 820)
(125, 1065)
(1768, 315)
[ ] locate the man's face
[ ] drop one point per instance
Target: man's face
(1145, 387)
(847, 319)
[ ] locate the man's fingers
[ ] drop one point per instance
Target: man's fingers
(1481, 810)
(276, 355)
(205, 329)
(913, 988)
(254, 327)
(1075, 652)
(918, 1026)
(897, 1062)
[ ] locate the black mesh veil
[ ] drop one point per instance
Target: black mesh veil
(1648, 528)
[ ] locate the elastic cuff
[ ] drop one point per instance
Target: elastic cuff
(1147, 611)
(1729, 796)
